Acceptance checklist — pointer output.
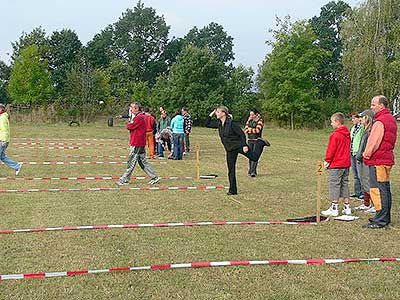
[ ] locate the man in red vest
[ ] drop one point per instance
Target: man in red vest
(379, 156)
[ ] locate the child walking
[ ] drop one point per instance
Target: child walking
(337, 161)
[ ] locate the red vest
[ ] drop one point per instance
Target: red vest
(384, 155)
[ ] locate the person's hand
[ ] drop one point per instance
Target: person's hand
(245, 149)
(326, 165)
(213, 112)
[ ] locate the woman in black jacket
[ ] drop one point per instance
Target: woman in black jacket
(234, 141)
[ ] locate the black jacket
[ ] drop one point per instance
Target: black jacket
(232, 136)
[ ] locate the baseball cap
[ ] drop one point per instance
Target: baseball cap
(367, 112)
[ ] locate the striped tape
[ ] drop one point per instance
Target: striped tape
(200, 265)
(88, 178)
(63, 139)
(32, 163)
(161, 188)
(50, 148)
(75, 156)
(76, 144)
(158, 225)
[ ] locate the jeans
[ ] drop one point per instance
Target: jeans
(178, 146)
(3, 157)
(355, 167)
(160, 147)
(253, 164)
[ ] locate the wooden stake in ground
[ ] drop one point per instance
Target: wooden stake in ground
(320, 169)
(198, 160)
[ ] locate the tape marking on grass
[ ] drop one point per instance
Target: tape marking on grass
(157, 225)
(88, 178)
(209, 264)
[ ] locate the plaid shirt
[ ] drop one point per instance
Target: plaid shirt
(187, 123)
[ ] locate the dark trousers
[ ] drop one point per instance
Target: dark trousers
(253, 164)
(355, 168)
(178, 146)
(231, 158)
(380, 193)
(187, 142)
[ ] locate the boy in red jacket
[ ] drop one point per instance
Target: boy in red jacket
(337, 161)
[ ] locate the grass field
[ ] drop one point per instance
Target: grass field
(285, 187)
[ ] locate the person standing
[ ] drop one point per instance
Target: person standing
(234, 141)
(150, 128)
(178, 134)
(137, 153)
(379, 156)
(187, 127)
(356, 132)
(5, 140)
(337, 161)
(253, 129)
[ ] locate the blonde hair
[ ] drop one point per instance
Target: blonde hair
(339, 117)
(224, 109)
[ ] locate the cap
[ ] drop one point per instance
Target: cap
(367, 112)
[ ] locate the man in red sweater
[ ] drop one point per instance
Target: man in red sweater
(379, 156)
(137, 154)
(337, 160)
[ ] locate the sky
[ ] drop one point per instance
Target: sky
(247, 21)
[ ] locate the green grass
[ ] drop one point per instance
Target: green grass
(285, 187)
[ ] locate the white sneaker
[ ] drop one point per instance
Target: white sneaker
(347, 211)
(17, 171)
(330, 212)
(119, 182)
(362, 207)
(371, 210)
(154, 180)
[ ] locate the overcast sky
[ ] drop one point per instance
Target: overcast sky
(247, 21)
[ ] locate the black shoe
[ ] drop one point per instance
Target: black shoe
(373, 226)
(253, 175)
(354, 195)
(230, 193)
(371, 220)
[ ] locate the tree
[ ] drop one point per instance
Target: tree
(65, 48)
(239, 94)
(287, 76)
(197, 80)
(213, 37)
(4, 78)
(140, 37)
(85, 91)
(36, 37)
(98, 51)
(371, 57)
(327, 27)
(30, 79)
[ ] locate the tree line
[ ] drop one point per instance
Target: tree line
(334, 61)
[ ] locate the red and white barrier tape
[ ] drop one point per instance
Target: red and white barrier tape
(201, 265)
(51, 144)
(32, 163)
(88, 178)
(158, 225)
(161, 188)
(75, 156)
(64, 139)
(51, 148)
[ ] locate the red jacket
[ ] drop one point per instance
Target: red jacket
(138, 131)
(149, 122)
(383, 152)
(338, 151)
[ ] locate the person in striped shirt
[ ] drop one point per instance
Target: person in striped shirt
(253, 129)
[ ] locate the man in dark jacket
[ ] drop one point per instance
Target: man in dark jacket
(137, 154)
(379, 156)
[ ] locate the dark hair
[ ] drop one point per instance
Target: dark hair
(255, 110)
(383, 100)
(178, 112)
(136, 104)
(354, 114)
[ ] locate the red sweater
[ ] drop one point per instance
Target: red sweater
(149, 122)
(338, 151)
(138, 131)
